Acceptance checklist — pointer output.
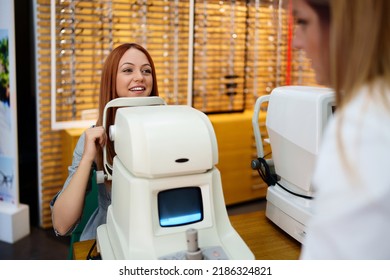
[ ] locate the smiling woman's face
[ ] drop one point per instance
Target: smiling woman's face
(309, 37)
(134, 77)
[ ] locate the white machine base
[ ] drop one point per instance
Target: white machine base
(104, 246)
(14, 222)
(279, 203)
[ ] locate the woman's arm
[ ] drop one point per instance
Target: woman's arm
(68, 206)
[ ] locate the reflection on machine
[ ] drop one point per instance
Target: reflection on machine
(181, 206)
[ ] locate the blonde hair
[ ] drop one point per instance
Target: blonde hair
(359, 46)
(359, 56)
(359, 53)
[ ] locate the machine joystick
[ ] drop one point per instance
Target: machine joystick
(193, 251)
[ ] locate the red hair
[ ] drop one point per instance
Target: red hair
(108, 91)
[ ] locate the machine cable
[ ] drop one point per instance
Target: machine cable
(262, 167)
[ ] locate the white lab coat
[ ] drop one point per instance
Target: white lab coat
(352, 210)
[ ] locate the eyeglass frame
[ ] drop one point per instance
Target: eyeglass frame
(7, 179)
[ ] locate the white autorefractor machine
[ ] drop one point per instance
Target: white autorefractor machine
(295, 120)
(167, 197)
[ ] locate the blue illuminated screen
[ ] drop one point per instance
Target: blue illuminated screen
(180, 206)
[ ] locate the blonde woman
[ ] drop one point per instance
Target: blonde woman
(348, 42)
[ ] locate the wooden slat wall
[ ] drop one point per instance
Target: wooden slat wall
(231, 38)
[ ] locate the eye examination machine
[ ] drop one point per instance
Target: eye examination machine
(167, 200)
(295, 121)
